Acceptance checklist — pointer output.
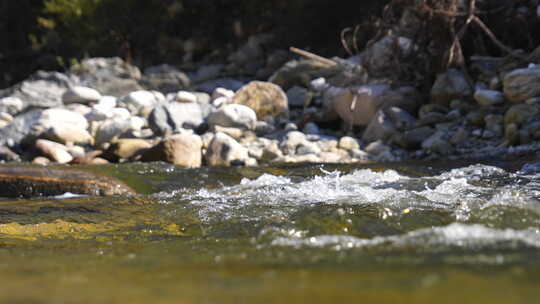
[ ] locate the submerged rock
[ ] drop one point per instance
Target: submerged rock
(30, 181)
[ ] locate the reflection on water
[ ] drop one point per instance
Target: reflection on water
(280, 235)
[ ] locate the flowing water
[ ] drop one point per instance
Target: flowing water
(466, 233)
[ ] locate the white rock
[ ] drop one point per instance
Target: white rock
(12, 105)
(80, 94)
(55, 151)
(220, 101)
(120, 113)
(59, 115)
(137, 101)
(235, 116)
(222, 92)
(223, 150)
(488, 97)
(185, 96)
(348, 143)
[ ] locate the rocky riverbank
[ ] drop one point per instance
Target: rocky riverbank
(265, 106)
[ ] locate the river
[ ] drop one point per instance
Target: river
(399, 233)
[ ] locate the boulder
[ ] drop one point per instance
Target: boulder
(438, 142)
(21, 129)
(68, 133)
(450, 85)
(164, 78)
(233, 116)
(126, 148)
(175, 116)
(223, 150)
(109, 130)
(110, 76)
(80, 94)
(348, 143)
(520, 113)
(367, 100)
(301, 72)
(379, 128)
(179, 149)
(54, 151)
(11, 105)
(139, 102)
(522, 84)
(41, 90)
(264, 98)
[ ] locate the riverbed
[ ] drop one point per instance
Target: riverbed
(385, 233)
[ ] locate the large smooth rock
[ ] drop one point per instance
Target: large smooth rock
(127, 148)
(68, 133)
(41, 90)
(369, 99)
(139, 102)
(520, 113)
(522, 84)
(110, 76)
(54, 151)
(110, 129)
(265, 98)
(175, 116)
(223, 150)
(379, 128)
(233, 116)
(450, 85)
(11, 105)
(80, 94)
(179, 149)
(164, 78)
(20, 130)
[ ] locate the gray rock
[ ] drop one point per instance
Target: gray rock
(297, 96)
(263, 128)
(172, 117)
(358, 106)
(139, 102)
(41, 90)
(6, 155)
(109, 130)
(438, 142)
(400, 118)
(522, 84)
(488, 97)
(311, 128)
(412, 139)
(222, 92)
(110, 76)
(223, 150)
(164, 78)
(80, 94)
(379, 128)
(227, 83)
(450, 85)
(207, 72)
(11, 105)
(234, 116)
(20, 130)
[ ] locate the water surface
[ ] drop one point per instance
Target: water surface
(285, 234)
